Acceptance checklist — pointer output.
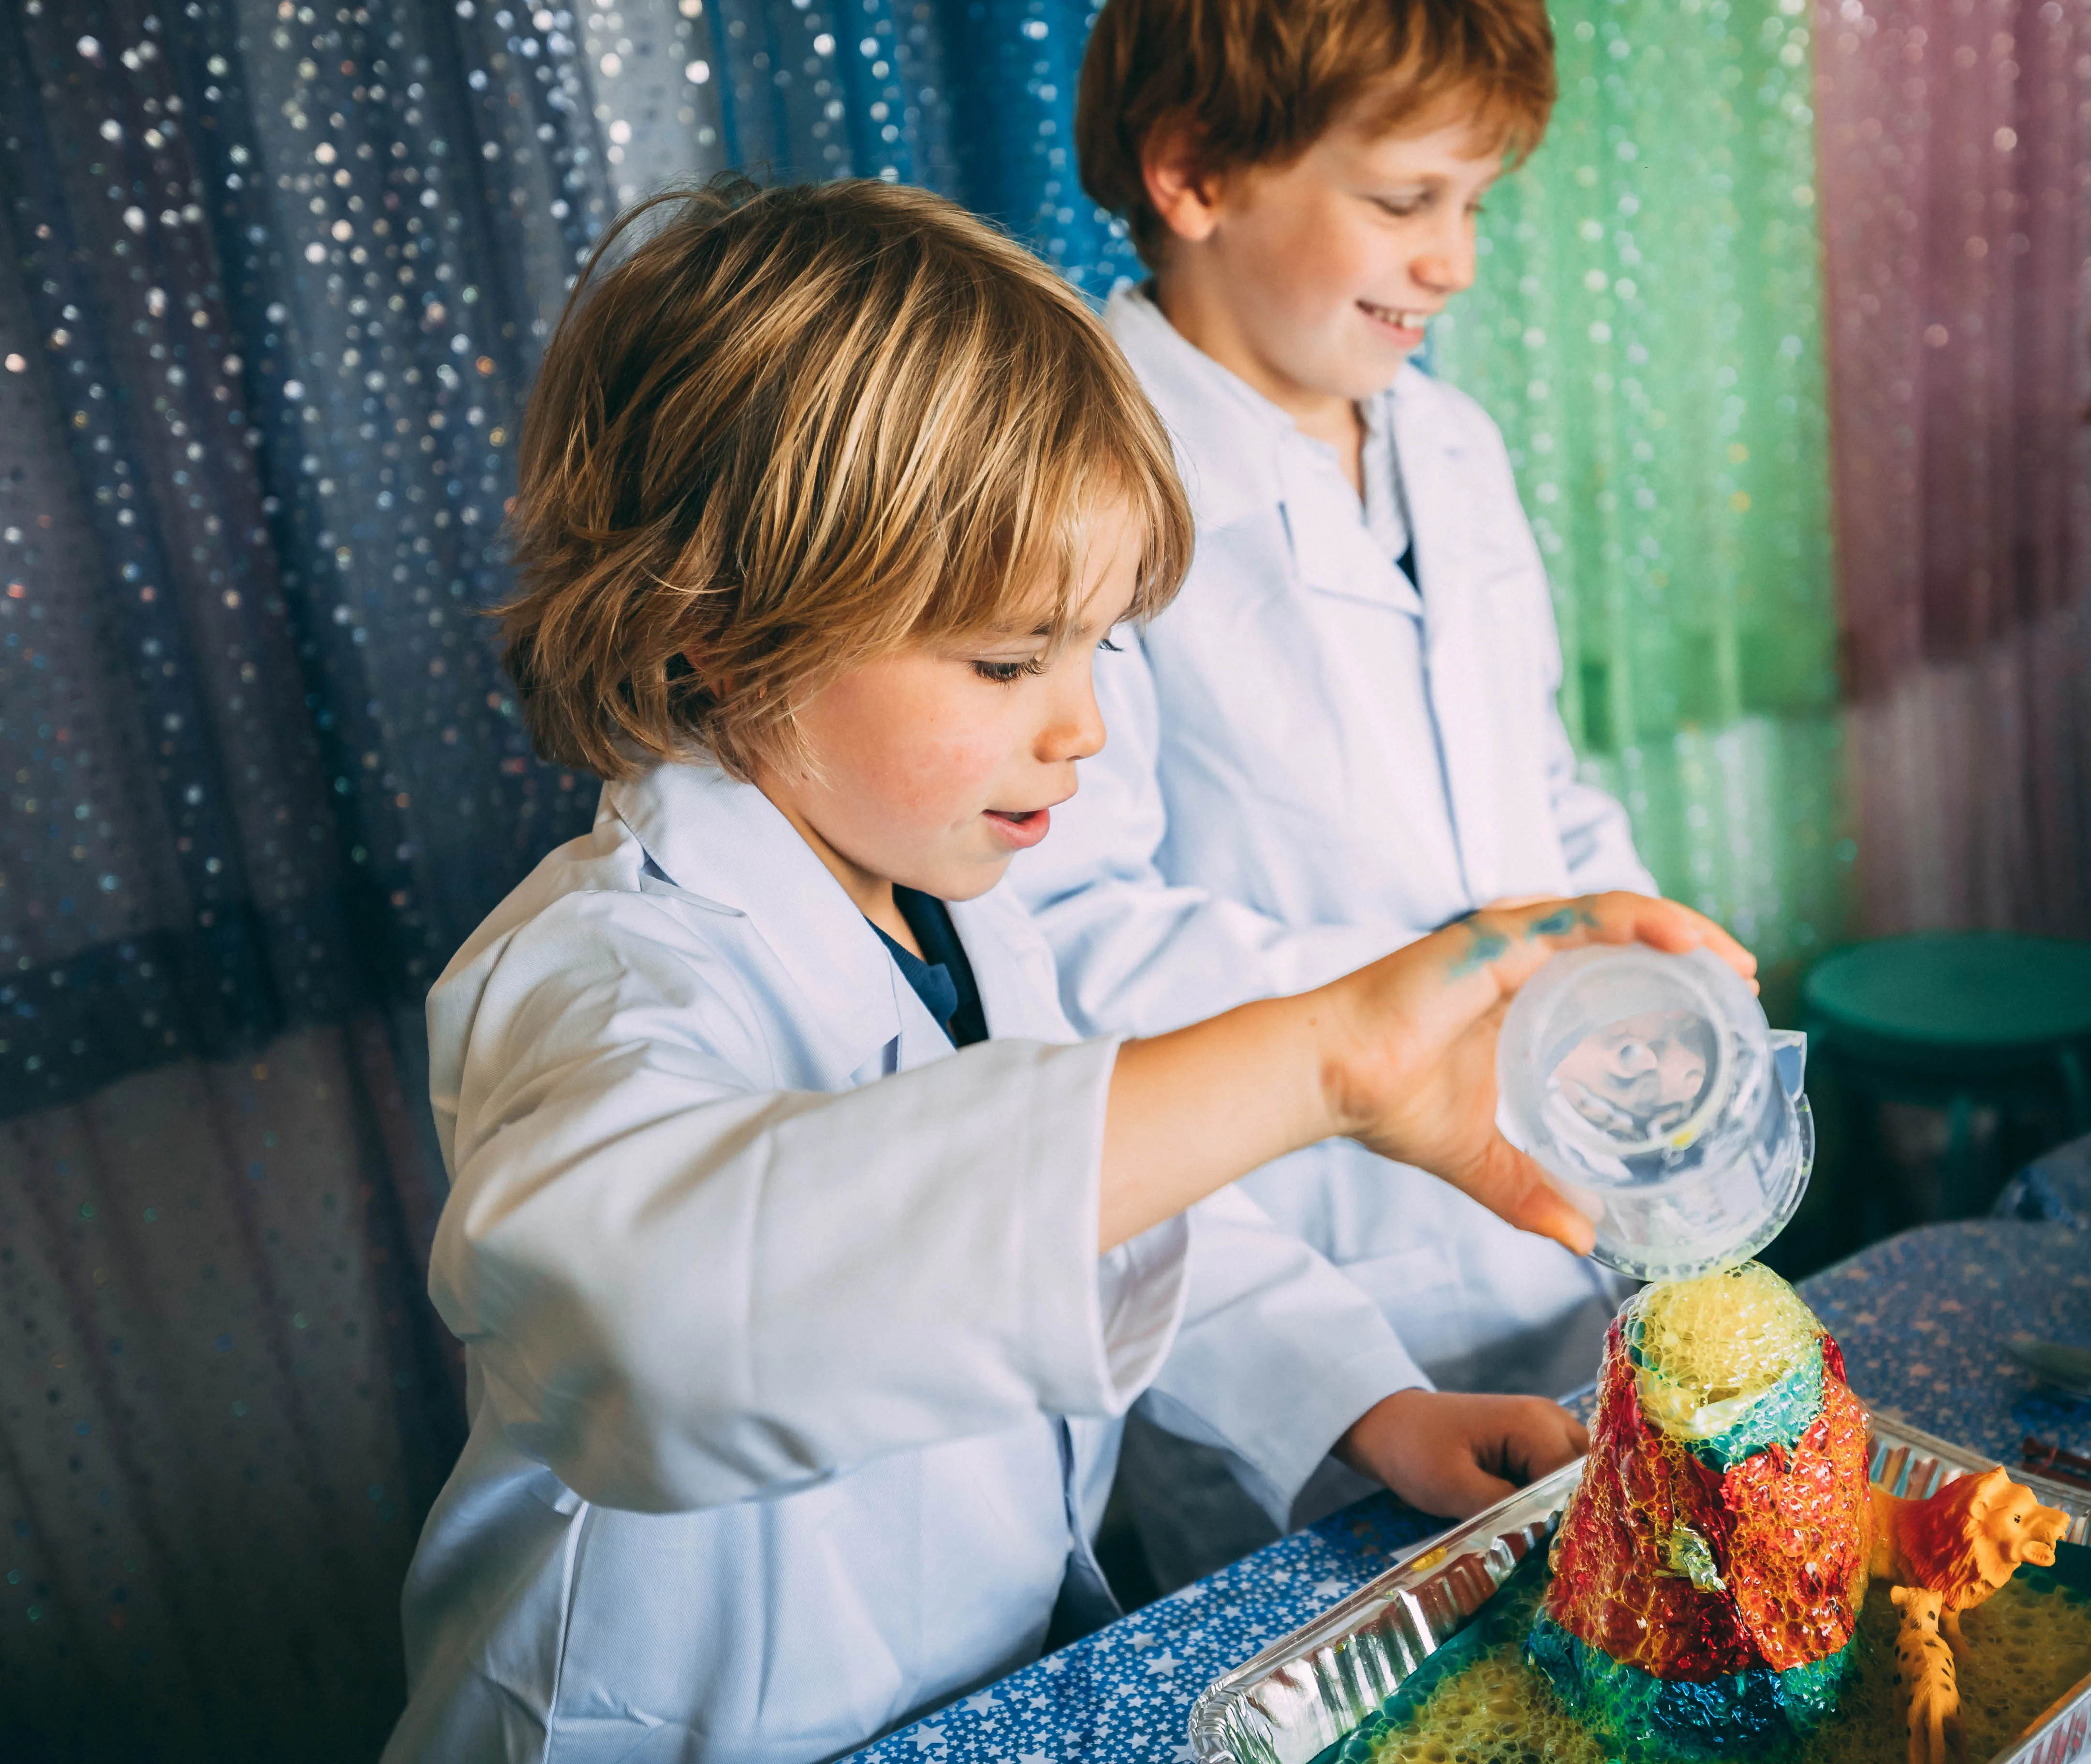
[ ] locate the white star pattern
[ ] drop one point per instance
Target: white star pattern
(1123, 1695)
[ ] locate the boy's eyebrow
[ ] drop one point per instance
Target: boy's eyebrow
(993, 634)
(1043, 631)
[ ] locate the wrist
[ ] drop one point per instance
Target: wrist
(1317, 1044)
(1393, 1413)
(1334, 1046)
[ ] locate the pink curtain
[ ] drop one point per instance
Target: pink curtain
(1956, 206)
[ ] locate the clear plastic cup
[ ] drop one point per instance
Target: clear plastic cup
(1664, 1106)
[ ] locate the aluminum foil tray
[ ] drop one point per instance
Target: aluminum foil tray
(1307, 1693)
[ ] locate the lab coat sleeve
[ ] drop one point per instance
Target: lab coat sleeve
(1596, 837)
(1278, 1353)
(1136, 953)
(684, 1287)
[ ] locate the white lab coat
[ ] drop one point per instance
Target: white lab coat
(1308, 766)
(794, 1373)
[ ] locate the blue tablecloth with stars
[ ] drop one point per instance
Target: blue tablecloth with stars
(1922, 1319)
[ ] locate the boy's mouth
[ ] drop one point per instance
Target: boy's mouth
(1406, 323)
(1022, 827)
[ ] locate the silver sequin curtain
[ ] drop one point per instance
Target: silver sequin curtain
(275, 274)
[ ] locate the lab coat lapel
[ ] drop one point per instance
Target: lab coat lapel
(729, 844)
(1240, 453)
(1333, 551)
(1456, 641)
(1012, 967)
(1227, 435)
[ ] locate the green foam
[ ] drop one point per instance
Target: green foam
(1736, 1713)
(1514, 1605)
(1779, 1417)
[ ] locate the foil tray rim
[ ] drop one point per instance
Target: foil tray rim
(1309, 1689)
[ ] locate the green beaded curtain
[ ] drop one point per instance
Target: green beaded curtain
(1646, 326)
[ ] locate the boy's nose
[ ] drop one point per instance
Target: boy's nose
(1076, 729)
(1446, 272)
(1447, 265)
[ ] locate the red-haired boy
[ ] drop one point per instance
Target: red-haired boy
(1343, 734)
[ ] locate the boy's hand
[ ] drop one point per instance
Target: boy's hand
(1401, 1056)
(1408, 1045)
(1450, 1454)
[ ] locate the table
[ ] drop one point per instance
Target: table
(1922, 1319)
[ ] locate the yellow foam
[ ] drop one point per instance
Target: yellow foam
(2025, 1648)
(1712, 1345)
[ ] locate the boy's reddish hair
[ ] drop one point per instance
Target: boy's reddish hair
(1258, 81)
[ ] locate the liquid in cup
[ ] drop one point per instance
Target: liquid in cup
(1664, 1106)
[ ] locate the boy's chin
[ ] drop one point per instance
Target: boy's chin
(965, 881)
(1370, 386)
(1357, 373)
(1373, 368)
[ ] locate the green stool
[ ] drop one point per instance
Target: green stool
(1954, 1020)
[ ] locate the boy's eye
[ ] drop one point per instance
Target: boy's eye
(1008, 673)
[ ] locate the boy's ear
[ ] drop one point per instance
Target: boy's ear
(1183, 192)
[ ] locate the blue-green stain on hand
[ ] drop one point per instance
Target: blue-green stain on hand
(1553, 925)
(1485, 947)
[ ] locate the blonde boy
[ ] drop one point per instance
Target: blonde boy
(797, 1339)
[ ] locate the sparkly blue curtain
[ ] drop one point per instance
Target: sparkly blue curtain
(276, 276)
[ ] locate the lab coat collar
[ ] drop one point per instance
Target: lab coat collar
(728, 844)
(1241, 456)
(1012, 964)
(1227, 433)
(1439, 491)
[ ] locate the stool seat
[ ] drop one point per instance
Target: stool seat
(1965, 993)
(1957, 1020)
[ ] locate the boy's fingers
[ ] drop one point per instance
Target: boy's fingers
(1467, 1489)
(1613, 918)
(1544, 1442)
(1664, 924)
(1515, 1189)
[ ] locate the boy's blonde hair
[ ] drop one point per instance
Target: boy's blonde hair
(1257, 82)
(793, 430)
